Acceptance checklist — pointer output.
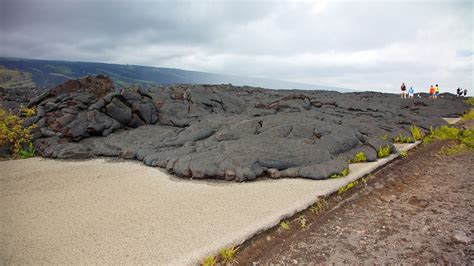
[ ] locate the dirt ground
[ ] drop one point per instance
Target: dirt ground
(418, 209)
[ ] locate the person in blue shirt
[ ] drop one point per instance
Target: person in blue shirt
(411, 92)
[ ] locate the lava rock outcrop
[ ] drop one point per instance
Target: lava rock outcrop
(226, 132)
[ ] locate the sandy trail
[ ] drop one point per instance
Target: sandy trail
(99, 211)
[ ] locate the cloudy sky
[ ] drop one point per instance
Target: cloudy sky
(372, 45)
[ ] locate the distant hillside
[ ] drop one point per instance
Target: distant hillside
(16, 72)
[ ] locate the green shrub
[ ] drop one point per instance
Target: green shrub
(359, 158)
(401, 139)
(12, 132)
(416, 133)
(403, 154)
(383, 151)
(467, 137)
(442, 133)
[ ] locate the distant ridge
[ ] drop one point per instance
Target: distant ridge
(48, 73)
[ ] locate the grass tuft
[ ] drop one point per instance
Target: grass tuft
(416, 132)
(302, 221)
(347, 187)
(318, 206)
(285, 225)
(403, 154)
(209, 261)
(383, 151)
(227, 255)
(343, 173)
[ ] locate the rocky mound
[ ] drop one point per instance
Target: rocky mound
(226, 132)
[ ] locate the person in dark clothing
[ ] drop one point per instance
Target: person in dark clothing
(403, 88)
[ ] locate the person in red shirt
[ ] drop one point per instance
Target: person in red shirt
(432, 91)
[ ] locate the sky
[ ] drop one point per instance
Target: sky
(362, 45)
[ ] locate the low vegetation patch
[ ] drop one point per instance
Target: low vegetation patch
(442, 133)
(227, 255)
(14, 134)
(401, 139)
(318, 207)
(403, 154)
(384, 151)
(343, 173)
(347, 187)
(209, 261)
(302, 221)
(469, 115)
(470, 101)
(285, 225)
(359, 158)
(416, 133)
(454, 149)
(464, 139)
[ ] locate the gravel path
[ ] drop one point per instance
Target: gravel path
(416, 210)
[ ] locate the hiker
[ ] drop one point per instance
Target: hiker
(432, 91)
(411, 92)
(436, 91)
(403, 88)
(465, 92)
(459, 92)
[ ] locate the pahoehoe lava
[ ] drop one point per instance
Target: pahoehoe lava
(227, 132)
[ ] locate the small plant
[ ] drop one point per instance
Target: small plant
(343, 173)
(227, 255)
(302, 221)
(28, 152)
(416, 133)
(318, 206)
(383, 151)
(12, 131)
(401, 139)
(359, 157)
(403, 154)
(385, 137)
(347, 187)
(285, 225)
(209, 261)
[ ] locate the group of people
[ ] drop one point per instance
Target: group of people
(433, 91)
(407, 94)
(461, 92)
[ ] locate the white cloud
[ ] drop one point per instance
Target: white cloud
(362, 45)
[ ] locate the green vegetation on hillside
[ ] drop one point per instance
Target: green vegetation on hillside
(59, 69)
(13, 79)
